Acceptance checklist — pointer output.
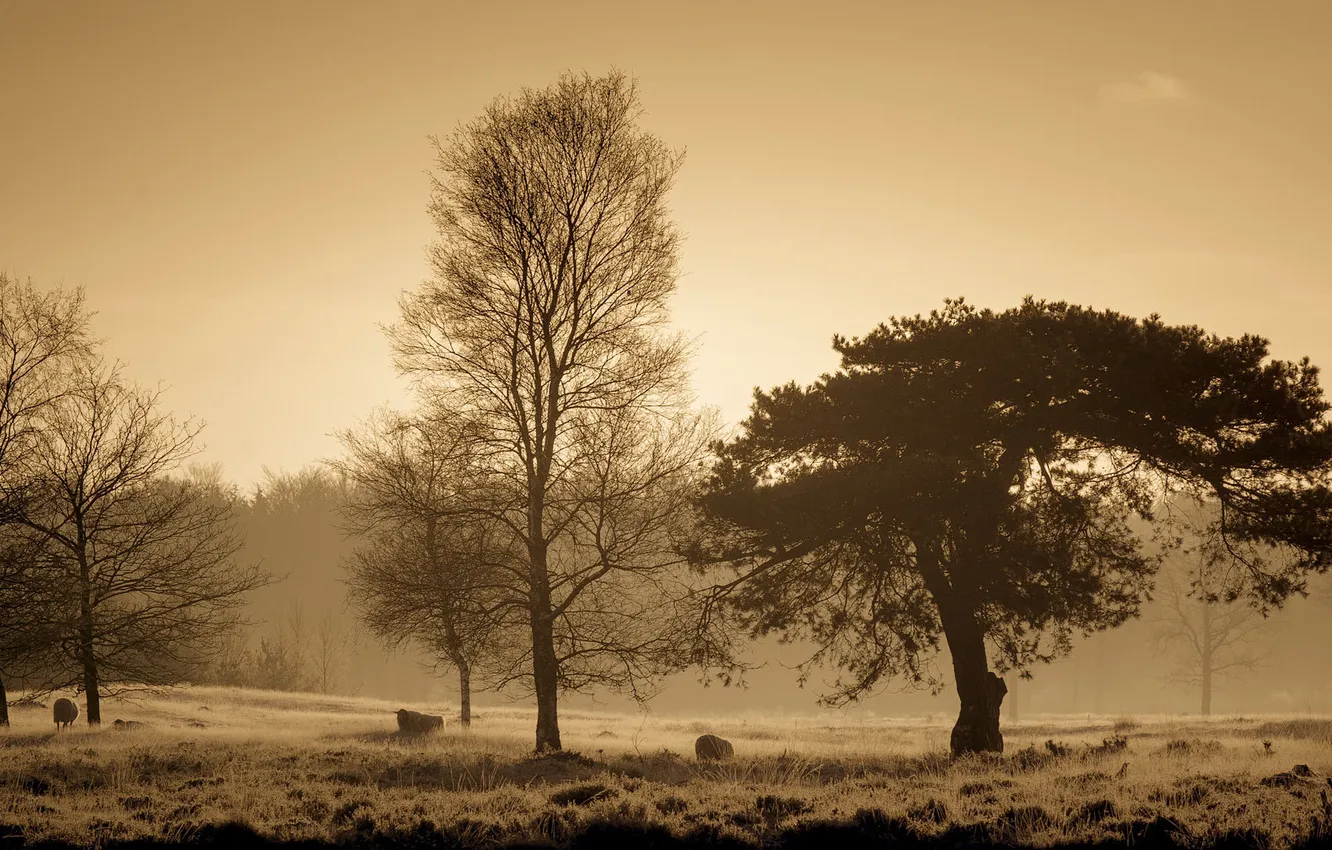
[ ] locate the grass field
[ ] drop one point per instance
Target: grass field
(219, 765)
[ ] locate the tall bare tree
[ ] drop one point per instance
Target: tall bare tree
(43, 335)
(545, 323)
(145, 556)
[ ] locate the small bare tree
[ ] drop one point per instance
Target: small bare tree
(1207, 636)
(545, 324)
(423, 573)
(145, 560)
(282, 661)
(328, 652)
(234, 664)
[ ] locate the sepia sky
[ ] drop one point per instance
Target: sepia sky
(240, 186)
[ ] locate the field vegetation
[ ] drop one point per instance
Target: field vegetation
(233, 765)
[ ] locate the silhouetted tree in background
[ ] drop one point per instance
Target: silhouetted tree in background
(281, 661)
(292, 524)
(544, 326)
(144, 557)
(973, 475)
(1207, 637)
(332, 641)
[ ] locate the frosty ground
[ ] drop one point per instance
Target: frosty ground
(213, 765)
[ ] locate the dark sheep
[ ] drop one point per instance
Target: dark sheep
(66, 712)
(416, 723)
(712, 748)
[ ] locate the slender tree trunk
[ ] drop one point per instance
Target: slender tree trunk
(87, 658)
(1207, 652)
(1098, 675)
(452, 641)
(4, 703)
(980, 691)
(464, 693)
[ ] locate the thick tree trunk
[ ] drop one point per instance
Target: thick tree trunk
(545, 667)
(464, 693)
(4, 703)
(91, 691)
(88, 660)
(87, 657)
(980, 691)
(545, 674)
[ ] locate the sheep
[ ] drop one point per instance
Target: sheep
(712, 748)
(66, 712)
(416, 723)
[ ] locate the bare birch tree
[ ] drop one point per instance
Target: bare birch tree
(146, 560)
(545, 322)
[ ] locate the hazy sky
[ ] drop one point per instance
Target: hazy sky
(240, 186)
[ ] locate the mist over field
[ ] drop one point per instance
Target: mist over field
(579, 425)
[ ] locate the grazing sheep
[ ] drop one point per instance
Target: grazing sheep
(712, 748)
(66, 712)
(416, 723)
(126, 725)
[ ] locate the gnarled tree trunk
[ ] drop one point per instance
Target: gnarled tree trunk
(4, 703)
(980, 691)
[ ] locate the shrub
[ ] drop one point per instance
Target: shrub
(582, 795)
(775, 808)
(933, 811)
(1125, 724)
(1191, 746)
(1115, 744)
(672, 805)
(1093, 811)
(1026, 819)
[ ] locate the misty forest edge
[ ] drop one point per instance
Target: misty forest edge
(556, 514)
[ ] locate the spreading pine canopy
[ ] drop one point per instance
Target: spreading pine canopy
(1013, 465)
